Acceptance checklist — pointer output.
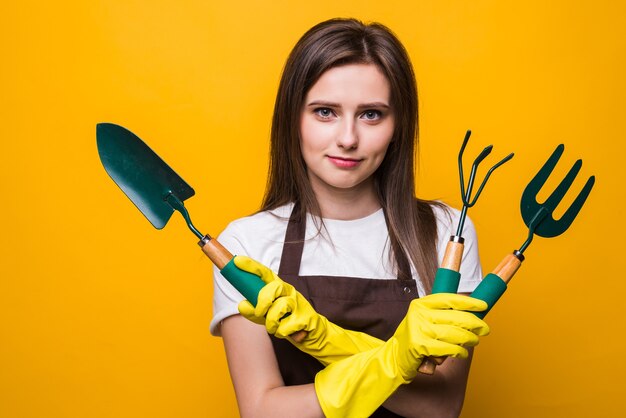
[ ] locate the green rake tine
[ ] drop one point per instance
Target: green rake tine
(465, 195)
(491, 170)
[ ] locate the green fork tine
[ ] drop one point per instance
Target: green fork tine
(538, 216)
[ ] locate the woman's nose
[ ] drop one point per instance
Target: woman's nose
(348, 137)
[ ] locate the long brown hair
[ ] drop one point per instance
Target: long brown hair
(336, 42)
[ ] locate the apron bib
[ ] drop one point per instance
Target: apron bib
(373, 306)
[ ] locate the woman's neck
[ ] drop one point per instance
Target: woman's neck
(347, 204)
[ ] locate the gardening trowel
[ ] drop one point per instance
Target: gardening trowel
(158, 191)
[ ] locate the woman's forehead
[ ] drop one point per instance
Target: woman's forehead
(361, 83)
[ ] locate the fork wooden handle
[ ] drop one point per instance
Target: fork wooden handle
(493, 286)
(508, 267)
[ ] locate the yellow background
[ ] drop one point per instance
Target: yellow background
(103, 316)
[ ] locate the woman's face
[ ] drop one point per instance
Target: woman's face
(346, 126)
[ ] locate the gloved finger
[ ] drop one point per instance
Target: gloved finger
(247, 311)
(251, 266)
(436, 348)
(452, 301)
(292, 324)
(268, 294)
(465, 320)
(455, 335)
(276, 314)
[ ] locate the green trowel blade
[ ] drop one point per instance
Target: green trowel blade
(141, 174)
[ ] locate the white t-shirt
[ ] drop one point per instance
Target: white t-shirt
(354, 248)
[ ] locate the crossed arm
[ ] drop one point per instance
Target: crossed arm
(261, 392)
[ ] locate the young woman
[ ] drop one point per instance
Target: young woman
(355, 252)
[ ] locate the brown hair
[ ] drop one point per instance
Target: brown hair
(336, 42)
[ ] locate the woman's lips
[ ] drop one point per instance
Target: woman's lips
(344, 162)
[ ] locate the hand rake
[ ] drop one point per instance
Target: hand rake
(447, 277)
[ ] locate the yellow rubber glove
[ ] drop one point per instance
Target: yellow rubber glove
(325, 341)
(435, 325)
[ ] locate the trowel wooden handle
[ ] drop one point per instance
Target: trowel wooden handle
(247, 284)
(219, 255)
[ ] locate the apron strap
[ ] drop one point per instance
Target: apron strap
(404, 267)
(293, 244)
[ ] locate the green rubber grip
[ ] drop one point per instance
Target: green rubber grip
(446, 281)
(247, 284)
(490, 289)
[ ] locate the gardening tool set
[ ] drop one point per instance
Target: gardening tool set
(158, 191)
(537, 217)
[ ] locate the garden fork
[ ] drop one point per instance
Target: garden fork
(538, 217)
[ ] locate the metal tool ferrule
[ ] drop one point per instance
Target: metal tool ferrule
(519, 255)
(204, 240)
(456, 238)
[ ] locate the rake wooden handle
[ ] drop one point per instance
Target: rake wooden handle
(451, 261)
(490, 290)
(453, 255)
(246, 283)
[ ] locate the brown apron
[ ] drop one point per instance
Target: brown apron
(372, 306)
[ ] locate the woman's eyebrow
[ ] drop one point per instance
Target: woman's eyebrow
(374, 105)
(360, 106)
(323, 103)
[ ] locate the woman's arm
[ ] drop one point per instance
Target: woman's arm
(261, 392)
(254, 371)
(439, 395)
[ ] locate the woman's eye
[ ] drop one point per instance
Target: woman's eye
(324, 112)
(372, 114)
